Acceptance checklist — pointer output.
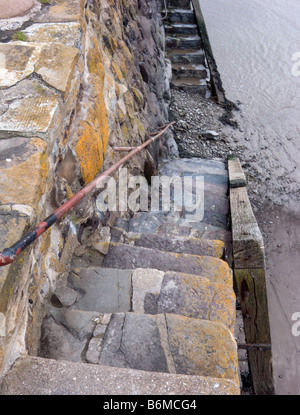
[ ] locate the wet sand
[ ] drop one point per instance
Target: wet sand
(282, 242)
(253, 43)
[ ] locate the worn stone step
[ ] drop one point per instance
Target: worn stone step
(214, 173)
(124, 256)
(186, 56)
(190, 29)
(182, 4)
(169, 343)
(193, 85)
(181, 16)
(165, 342)
(183, 42)
(162, 224)
(207, 231)
(189, 70)
(170, 243)
(214, 185)
(195, 165)
(151, 222)
(37, 376)
(143, 290)
(103, 290)
(213, 211)
(156, 343)
(156, 292)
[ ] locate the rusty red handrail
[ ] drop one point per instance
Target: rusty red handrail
(10, 254)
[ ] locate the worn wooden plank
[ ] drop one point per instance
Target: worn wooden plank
(248, 244)
(250, 279)
(237, 176)
(251, 285)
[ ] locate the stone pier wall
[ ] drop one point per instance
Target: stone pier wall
(77, 77)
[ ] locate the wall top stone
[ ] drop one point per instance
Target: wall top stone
(27, 108)
(68, 34)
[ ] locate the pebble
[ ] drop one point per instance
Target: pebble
(201, 133)
(211, 134)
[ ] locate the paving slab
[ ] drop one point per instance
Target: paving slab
(174, 243)
(169, 343)
(134, 341)
(124, 256)
(186, 56)
(155, 292)
(37, 376)
(181, 16)
(58, 342)
(152, 222)
(101, 289)
(202, 347)
(183, 42)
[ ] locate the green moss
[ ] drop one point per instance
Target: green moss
(44, 1)
(20, 36)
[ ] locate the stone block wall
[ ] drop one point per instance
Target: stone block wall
(77, 77)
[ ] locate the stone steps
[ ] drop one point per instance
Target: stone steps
(183, 42)
(148, 291)
(164, 342)
(38, 376)
(185, 49)
(170, 243)
(182, 4)
(161, 223)
(157, 313)
(187, 29)
(186, 56)
(189, 70)
(181, 16)
(125, 256)
(190, 85)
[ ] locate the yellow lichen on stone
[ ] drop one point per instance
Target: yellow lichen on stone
(95, 60)
(94, 131)
(202, 347)
(138, 96)
(117, 72)
(126, 52)
(218, 247)
(89, 150)
(118, 91)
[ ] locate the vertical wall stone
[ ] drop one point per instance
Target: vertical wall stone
(84, 76)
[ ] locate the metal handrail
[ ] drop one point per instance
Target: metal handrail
(10, 254)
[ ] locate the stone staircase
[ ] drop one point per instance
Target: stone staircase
(184, 48)
(152, 313)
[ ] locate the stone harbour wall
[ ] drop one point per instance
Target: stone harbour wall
(77, 77)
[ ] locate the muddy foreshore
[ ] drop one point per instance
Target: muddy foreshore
(274, 200)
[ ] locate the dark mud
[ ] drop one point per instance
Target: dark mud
(253, 44)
